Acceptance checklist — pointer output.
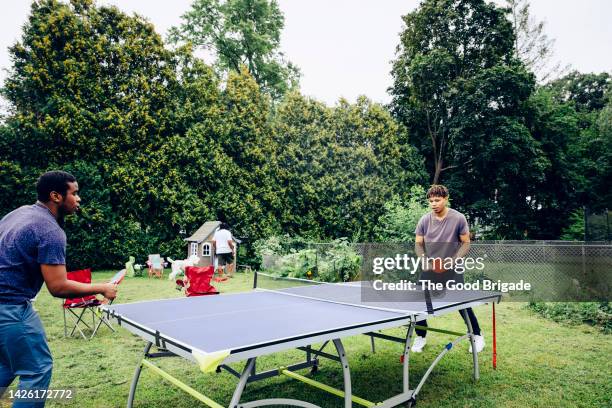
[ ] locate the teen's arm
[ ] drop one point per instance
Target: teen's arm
(464, 248)
(419, 246)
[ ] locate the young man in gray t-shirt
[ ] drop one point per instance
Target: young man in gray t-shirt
(446, 234)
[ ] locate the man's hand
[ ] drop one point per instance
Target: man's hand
(109, 291)
(59, 285)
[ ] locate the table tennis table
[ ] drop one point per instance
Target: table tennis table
(214, 331)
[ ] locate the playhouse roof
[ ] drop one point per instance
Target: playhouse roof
(205, 231)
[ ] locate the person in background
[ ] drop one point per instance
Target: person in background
(223, 247)
(33, 251)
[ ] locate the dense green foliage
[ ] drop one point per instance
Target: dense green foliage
(155, 144)
(589, 96)
(575, 230)
(340, 165)
(400, 218)
(518, 159)
(160, 144)
(296, 257)
(596, 314)
(241, 32)
(587, 92)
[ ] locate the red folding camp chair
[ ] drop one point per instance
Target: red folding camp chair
(86, 304)
(197, 281)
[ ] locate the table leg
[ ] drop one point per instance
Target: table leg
(472, 342)
(137, 376)
(406, 363)
(348, 394)
(246, 372)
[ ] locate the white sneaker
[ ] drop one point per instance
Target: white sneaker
(418, 344)
(480, 343)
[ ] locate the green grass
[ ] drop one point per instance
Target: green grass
(540, 363)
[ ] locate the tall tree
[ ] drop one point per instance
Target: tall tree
(301, 129)
(95, 92)
(590, 96)
(559, 193)
(241, 32)
(588, 92)
(250, 198)
(87, 81)
(531, 44)
(441, 45)
(340, 165)
(462, 93)
(600, 192)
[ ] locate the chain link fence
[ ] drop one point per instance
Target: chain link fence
(555, 270)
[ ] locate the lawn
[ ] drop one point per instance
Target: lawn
(540, 363)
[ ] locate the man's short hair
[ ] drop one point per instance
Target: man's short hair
(437, 190)
(224, 226)
(56, 180)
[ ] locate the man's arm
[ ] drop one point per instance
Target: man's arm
(59, 285)
(231, 244)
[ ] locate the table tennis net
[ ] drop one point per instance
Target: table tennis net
(356, 293)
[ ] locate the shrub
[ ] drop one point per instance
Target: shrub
(336, 261)
(598, 314)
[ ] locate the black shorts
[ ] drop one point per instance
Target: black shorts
(225, 259)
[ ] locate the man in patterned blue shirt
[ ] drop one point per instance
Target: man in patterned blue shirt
(33, 251)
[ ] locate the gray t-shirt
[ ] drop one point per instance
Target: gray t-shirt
(442, 236)
(29, 236)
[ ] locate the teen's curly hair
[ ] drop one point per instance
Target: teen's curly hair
(437, 190)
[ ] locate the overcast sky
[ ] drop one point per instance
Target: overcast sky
(344, 47)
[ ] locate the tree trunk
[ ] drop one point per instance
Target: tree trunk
(438, 170)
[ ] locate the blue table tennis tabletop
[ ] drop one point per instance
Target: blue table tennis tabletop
(256, 319)
(243, 326)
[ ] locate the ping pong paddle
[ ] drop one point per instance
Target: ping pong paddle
(437, 265)
(118, 277)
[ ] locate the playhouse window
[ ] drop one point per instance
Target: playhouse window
(206, 250)
(194, 249)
